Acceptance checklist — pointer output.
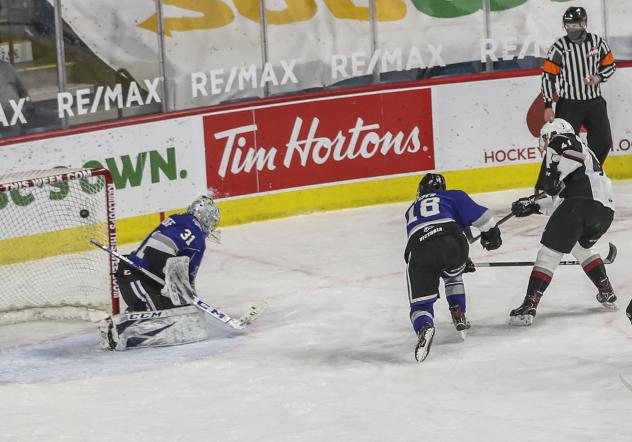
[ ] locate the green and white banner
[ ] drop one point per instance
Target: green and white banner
(155, 167)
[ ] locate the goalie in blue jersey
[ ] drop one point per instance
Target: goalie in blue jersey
(182, 234)
(438, 249)
(161, 314)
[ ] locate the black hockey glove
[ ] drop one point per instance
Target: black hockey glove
(524, 207)
(491, 240)
(551, 184)
(628, 311)
(469, 266)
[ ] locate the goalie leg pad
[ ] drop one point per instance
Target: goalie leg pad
(153, 329)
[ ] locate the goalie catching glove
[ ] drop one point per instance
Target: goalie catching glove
(525, 207)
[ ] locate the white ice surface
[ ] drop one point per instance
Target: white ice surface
(332, 357)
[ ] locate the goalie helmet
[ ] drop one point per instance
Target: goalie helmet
(431, 182)
(203, 208)
(552, 128)
(575, 21)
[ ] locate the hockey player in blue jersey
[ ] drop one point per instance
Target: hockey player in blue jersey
(437, 248)
(160, 315)
(178, 235)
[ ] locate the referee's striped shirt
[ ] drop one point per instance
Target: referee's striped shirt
(568, 63)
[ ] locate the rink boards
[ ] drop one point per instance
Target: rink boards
(322, 151)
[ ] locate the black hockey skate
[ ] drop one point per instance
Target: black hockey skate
(524, 314)
(459, 320)
(425, 341)
(606, 296)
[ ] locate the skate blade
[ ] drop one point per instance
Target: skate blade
(521, 320)
(612, 306)
(463, 334)
(422, 352)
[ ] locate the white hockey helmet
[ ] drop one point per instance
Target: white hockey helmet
(552, 128)
(203, 208)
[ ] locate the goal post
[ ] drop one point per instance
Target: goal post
(48, 268)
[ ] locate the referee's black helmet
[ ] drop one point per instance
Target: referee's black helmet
(575, 20)
(575, 14)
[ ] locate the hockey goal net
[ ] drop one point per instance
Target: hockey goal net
(48, 268)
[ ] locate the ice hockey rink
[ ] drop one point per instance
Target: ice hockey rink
(332, 357)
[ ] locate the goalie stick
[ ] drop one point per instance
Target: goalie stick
(612, 255)
(237, 323)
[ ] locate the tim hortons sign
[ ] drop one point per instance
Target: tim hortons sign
(319, 141)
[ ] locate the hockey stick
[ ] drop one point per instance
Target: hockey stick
(537, 196)
(612, 255)
(502, 220)
(236, 323)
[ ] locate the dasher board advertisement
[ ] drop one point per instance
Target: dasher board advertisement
(320, 141)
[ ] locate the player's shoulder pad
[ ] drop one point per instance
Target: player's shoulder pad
(459, 196)
(563, 142)
(186, 220)
(456, 192)
(174, 219)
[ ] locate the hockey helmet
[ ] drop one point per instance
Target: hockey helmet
(575, 21)
(431, 182)
(203, 208)
(552, 128)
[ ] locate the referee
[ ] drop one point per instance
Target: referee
(575, 66)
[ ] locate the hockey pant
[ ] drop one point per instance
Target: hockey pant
(427, 265)
(141, 293)
(153, 329)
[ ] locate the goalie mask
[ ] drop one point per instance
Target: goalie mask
(431, 182)
(552, 128)
(206, 212)
(575, 20)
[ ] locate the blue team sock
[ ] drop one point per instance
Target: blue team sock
(422, 313)
(457, 299)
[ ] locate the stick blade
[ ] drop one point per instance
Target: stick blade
(252, 314)
(612, 254)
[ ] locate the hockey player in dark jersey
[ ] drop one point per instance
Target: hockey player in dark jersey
(581, 205)
(160, 315)
(437, 248)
